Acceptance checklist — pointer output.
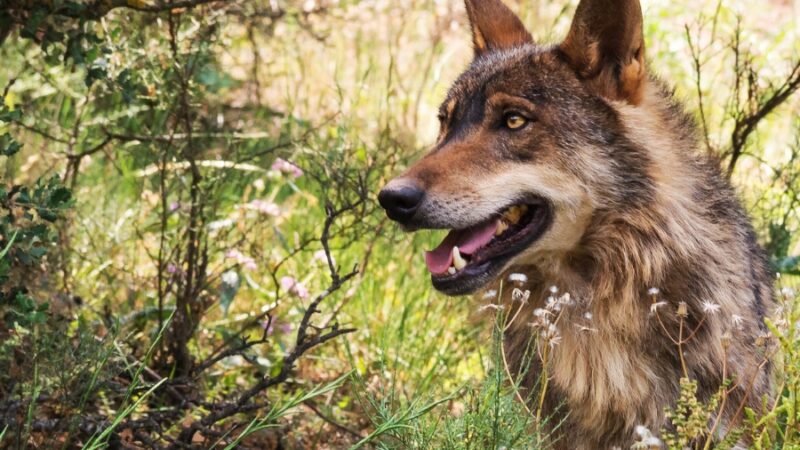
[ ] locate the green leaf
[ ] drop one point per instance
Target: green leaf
(37, 252)
(12, 148)
(47, 214)
(9, 116)
(8, 146)
(60, 197)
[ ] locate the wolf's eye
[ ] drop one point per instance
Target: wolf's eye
(515, 121)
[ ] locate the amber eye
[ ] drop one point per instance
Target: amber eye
(515, 121)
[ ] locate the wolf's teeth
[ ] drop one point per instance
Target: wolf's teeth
(502, 226)
(458, 262)
(451, 270)
(515, 213)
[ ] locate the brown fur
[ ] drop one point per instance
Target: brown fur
(636, 205)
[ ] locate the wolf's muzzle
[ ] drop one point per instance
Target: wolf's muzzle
(401, 201)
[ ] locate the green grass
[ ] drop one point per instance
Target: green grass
(351, 96)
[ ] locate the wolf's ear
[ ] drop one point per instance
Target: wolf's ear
(494, 26)
(605, 46)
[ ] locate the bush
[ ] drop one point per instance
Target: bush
(188, 225)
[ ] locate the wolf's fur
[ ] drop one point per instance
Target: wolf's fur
(636, 204)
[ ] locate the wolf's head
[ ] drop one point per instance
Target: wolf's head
(532, 144)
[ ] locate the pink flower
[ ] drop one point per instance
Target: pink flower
(301, 291)
(293, 286)
(264, 207)
(246, 261)
(320, 256)
(287, 283)
(285, 167)
(282, 327)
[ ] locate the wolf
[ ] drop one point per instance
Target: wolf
(571, 168)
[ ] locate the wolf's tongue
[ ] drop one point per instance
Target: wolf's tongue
(468, 241)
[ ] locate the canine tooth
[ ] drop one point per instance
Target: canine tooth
(502, 226)
(451, 270)
(458, 262)
(515, 213)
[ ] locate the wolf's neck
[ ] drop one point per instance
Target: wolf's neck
(674, 243)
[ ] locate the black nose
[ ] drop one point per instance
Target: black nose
(401, 203)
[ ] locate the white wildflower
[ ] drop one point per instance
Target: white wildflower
(490, 306)
(655, 305)
(518, 295)
(710, 307)
(787, 292)
(555, 303)
(220, 224)
(539, 312)
(653, 291)
(231, 278)
(587, 315)
(737, 320)
(490, 294)
(550, 334)
(646, 439)
(553, 289)
(518, 278)
(552, 303)
(259, 184)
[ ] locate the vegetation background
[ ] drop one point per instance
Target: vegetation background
(191, 255)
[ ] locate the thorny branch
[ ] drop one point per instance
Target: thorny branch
(305, 341)
(97, 9)
(749, 114)
(154, 427)
(750, 103)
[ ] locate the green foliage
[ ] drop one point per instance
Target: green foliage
(26, 224)
(27, 216)
(8, 146)
(24, 311)
(65, 32)
(208, 142)
(690, 418)
(492, 418)
(64, 362)
(483, 415)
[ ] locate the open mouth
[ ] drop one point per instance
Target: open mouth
(469, 258)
